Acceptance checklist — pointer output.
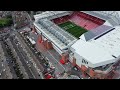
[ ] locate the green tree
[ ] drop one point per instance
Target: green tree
(5, 22)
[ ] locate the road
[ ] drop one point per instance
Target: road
(4, 68)
(58, 66)
(54, 58)
(25, 76)
(35, 61)
(23, 57)
(9, 59)
(39, 57)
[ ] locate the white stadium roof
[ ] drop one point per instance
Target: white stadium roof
(110, 42)
(102, 51)
(94, 54)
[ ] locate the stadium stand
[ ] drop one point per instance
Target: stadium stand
(61, 19)
(81, 19)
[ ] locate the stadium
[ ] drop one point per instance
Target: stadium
(88, 39)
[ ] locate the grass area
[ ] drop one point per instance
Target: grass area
(5, 22)
(73, 29)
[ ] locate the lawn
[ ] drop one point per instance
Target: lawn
(73, 29)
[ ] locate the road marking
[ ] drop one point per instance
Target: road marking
(55, 59)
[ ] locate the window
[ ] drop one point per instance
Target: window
(84, 61)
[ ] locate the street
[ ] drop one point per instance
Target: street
(24, 58)
(9, 61)
(54, 58)
(34, 60)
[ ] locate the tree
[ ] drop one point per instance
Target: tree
(5, 22)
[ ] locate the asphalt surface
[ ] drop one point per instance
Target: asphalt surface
(54, 58)
(39, 57)
(9, 61)
(23, 57)
(4, 69)
(37, 65)
(22, 69)
(29, 67)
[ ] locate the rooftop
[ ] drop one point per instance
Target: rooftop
(100, 51)
(53, 32)
(97, 32)
(110, 42)
(93, 53)
(51, 37)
